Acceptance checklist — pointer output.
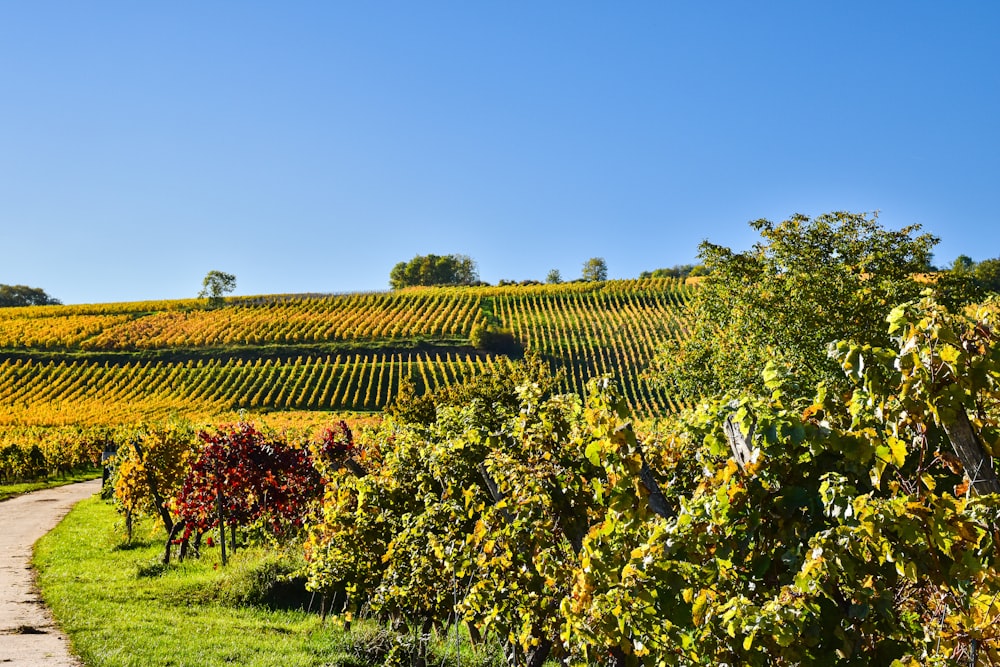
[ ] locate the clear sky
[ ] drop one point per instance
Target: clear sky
(310, 146)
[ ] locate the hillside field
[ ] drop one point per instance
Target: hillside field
(128, 362)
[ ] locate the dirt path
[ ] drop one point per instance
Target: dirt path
(28, 636)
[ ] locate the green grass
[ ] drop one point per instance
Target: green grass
(120, 607)
(11, 490)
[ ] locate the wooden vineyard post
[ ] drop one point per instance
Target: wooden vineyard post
(222, 522)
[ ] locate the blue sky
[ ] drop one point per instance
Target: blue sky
(310, 146)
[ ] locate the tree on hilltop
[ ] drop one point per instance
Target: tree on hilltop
(963, 264)
(434, 270)
(676, 271)
(215, 285)
(595, 269)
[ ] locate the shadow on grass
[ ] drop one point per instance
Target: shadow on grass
(148, 570)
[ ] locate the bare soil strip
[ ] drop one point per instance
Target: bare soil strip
(28, 635)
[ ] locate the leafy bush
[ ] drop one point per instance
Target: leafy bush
(765, 528)
(434, 270)
(19, 463)
(243, 477)
(148, 469)
(806, 283)
(491, 338)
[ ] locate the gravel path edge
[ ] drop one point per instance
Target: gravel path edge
(29, 637)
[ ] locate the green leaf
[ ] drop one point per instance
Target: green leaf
(593, 452)
(853, 364)
(897, 448)
(772, 375)
(949, 354)
(598, 490)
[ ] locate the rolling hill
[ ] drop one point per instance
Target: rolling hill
(127, 362)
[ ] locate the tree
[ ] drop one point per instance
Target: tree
(676, 271)
(984, 275)
(967, 281)
(806, 283)
(963, 264)
(22, 295)
(554, 277)
(434, 270)
(594, 269)
(216, 284)
(987, 273)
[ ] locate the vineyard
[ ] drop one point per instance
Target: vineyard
(124, 363)
(248, 322)
(556, 532)
(593, 333)
(788, 523)
(94, 392)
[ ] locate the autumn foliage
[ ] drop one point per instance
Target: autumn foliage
(246, 478)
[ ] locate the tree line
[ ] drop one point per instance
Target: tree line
(964, 274)
(427, 270)
(22, 295)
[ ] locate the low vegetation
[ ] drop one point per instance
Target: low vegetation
(11, 489)
(47, 455)
(122, 608)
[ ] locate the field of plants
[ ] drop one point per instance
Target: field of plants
(532, 530)
(125, 363)
(832, 498)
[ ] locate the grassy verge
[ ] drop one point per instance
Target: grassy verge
(120, 607)
(11, 490)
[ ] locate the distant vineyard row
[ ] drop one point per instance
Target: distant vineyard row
(100, 393)
(263, 322)
(596, 333)
(418, 313)
(586, 330)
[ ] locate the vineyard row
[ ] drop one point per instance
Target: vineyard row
(93, 393)
(592, 335)
(428, 313)
(291, 321)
